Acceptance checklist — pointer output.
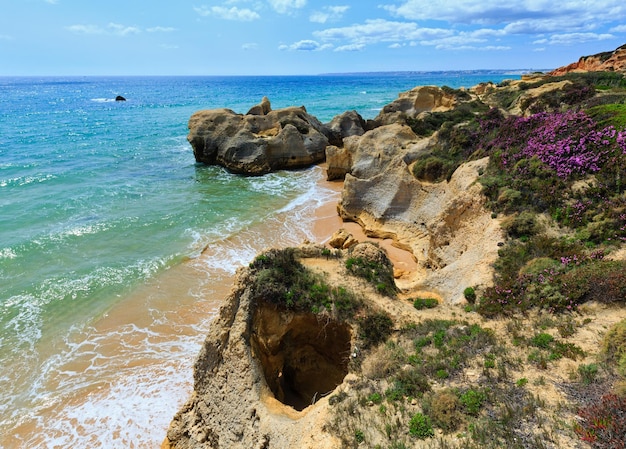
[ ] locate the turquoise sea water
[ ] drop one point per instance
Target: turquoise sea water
(104, 297)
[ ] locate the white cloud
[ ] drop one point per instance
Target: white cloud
(169, 46)
(286, 6)
(327, 13)
(159, 29)
(52, 2)
(618, 29)
(306, 45)
(250, 46)
(351, 47)
(122, 30)
(233, 13)
(380, 30)
(113, 29)
(574, 38)
(497, 11)
(86, 29)
(5, 37)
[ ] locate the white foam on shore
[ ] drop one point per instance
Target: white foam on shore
(109, 388)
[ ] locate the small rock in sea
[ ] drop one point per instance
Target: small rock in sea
(120, 98)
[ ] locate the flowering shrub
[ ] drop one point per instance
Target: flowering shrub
(567, 142)
(603, 424)
(578, 279)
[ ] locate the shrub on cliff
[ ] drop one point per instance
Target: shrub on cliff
(370, 262)
(541, 156)
(281, 279)
(375, 328)
(576, 280)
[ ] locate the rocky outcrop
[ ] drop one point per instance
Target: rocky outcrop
(350, 123)
(258, 142)
(338, 162)
(444, 225)
(414, 102)
(342, 239)
(610, 61)
(265, 371)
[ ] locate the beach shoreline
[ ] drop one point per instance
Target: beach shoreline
(145, 345)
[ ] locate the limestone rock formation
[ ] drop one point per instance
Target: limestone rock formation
(262, 377)
(350, 123)
(338, 162)
(258, 142)
(342, 239)
(610, 61)
(444, 225)
(262, 108)
(415, 101)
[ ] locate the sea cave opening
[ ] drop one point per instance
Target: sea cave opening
(303, 357)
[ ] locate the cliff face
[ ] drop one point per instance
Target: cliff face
(444, 225)
(613, 61)
(265, 371)
(258, 367)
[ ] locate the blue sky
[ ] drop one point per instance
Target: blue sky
(286, 37)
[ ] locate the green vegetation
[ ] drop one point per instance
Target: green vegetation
(375, 328)
(472, 400)
(588, 373)
(425, 303)
(420, 427)
(377, 272)
(609, 115)
(281, 279)
(470, 295)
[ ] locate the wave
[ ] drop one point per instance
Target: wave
(109, 388)
(20, 181)
(103, 100)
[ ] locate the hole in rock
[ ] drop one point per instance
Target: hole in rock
(302, 358)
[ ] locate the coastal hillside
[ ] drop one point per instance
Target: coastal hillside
(609, 61)
(509, 327)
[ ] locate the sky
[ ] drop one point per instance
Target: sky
(300, 37)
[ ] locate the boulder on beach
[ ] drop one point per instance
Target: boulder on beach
(259, 142)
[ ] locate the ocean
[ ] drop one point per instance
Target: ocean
(117, 249)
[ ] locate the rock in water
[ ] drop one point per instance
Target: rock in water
(120, 98)
(259, 142)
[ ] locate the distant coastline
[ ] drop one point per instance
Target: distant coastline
(515, 72)
(402, 73)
